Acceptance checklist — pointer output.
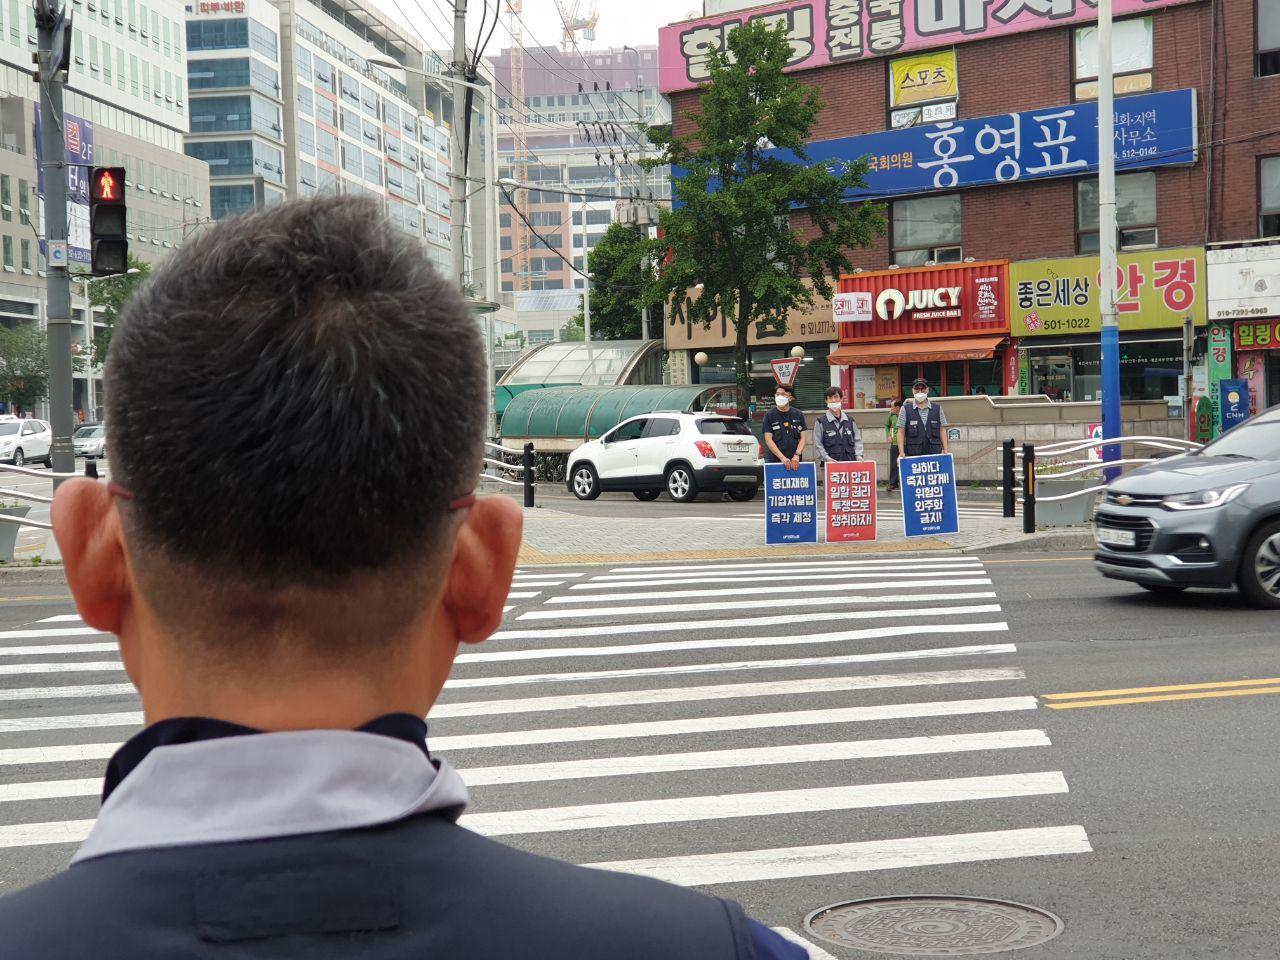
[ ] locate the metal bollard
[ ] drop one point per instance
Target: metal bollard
(1028, 488)
(91, 469)
(528, 475)
(1006, 475)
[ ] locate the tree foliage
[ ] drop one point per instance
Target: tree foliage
(745, 170)
(24, 365)
(616, 265)
(111, 293)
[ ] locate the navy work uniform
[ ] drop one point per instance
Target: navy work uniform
(837, 439)
(786, 427)
(924, 426)
(218, 841)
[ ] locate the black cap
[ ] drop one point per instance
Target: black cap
(919, 382)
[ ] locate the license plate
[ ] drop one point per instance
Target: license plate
(737, 447)
(1119, 538)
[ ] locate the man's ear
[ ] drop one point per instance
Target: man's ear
(87, 528)
(484, 560)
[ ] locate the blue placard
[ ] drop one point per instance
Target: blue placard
(790, 503)
(929, 505)
(1152, 130)
(1235, 403)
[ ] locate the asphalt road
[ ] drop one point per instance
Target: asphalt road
(949, 767)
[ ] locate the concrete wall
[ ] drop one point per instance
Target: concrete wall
(985, 423)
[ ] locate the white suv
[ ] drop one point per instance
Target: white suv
(683, 453)
(22, 441)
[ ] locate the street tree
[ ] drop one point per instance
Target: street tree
(24, 366)
(111, 293)
(728, 247)
(616, 265)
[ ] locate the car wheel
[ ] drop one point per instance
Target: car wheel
(1260, 566)
(681, 485)
(647, 496)
(18, 458)
(1166, 588)
(743, 494)
(586, 485)
(48, 461)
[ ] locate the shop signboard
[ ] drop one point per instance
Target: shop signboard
(1234, 404)
(823, 32)
(1155, 289)
(1152, 130)
(864, 387)
(1244, 282)
(851, 307)
(963, 298)
(79, 159)
(1257, 335)
(923, 78)
(929, 505)
(888, 382)
(1011, 366)
(1250, 366)
(851, 501)
(1217, 368)
(1024, 374)
(791, 503)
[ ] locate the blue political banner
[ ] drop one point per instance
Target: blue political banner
(1235, 403)
(790, 503)
(1151, 130)
(929, 505)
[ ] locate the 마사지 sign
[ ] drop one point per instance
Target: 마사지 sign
(791, 503)
(851, 501)
(929, 505)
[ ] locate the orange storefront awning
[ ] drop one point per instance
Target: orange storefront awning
(914, 351)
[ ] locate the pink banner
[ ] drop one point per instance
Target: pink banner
(823, 32)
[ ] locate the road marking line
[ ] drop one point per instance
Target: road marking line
(827, 859)
(718, 643)
(498, 681)
(814, 951)
(70, 753)
(846, 581)
(1208, 695)
(610, 583)
(522, 595)
(650, 764)
(66, 597)
(712, 566)
(50, 789)
(62, 618)
(35, 834)
(617, 698)
(785, 619)
(756, 721)
(14, 669)
(631, 813)
(68, 693)
(1173, 688)
(648, 609)
(58, 632)
(39, 650)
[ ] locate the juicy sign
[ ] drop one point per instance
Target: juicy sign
(928, 304)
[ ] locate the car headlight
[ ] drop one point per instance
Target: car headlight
(1204, 499)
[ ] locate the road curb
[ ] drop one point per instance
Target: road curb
(24, 573)
(1043, 540)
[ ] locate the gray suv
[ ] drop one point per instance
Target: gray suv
(1204, 519)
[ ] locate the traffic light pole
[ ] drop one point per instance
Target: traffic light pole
(58, 285)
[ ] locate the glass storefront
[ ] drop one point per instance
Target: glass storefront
(1149, 369)
(811, 382)
(955, 378)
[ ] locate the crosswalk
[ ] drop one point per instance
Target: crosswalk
(733, 725)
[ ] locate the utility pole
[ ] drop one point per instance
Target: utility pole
(1111, 424)
(49, 63)
(586, 286)
(458, 157)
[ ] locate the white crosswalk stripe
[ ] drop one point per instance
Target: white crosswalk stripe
(701, 722)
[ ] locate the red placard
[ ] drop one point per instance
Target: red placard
(957, 299)
(851, 501)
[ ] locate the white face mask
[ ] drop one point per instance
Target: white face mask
(782, 400)
(834, 406)
(921, 397)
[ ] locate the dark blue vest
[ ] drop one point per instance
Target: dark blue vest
(924, 433)
(837, 438)
(417, 889)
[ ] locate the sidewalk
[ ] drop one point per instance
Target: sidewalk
(554, 536)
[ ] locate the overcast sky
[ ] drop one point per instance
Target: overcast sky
(633, 22)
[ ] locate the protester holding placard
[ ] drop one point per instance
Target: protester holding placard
(835, 435)
(922, 424)
(784, 429)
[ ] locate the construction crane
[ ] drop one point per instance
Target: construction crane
(519, 145)
(577, 20)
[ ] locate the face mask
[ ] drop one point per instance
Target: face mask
(921, 397)
(782, 400)
(834, 407)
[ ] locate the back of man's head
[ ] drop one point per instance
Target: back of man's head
(293, 401)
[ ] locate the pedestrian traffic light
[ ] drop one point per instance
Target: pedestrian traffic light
(107, 221)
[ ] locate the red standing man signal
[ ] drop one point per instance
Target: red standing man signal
(108, 219)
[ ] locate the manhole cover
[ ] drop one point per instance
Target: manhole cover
(933, 926)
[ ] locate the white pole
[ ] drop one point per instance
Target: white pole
(457, 162)
(586, 268)
(1111, 424)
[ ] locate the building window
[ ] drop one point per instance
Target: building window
(227, 201)
(1268, 38)
(1135, 213)
(1269, 197)
(6, 197)
(504, 219)
(1132, 53)
(306, 138)
(306, 101)
(302, 58)
(926, 230)
(24, 201)
(352, 160)
(505, 242)
(326, 147)
(324, 74)
(26, 256)
(545, 218)
(326, 111)
(8, 253)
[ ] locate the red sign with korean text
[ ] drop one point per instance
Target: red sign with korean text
(851, 501)
(963, 298)
(1256, 335)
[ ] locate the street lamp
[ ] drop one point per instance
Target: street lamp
(90, 392)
